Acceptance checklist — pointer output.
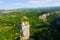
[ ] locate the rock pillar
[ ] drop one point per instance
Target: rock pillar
(25, 30)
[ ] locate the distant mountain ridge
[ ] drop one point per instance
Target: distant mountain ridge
(39, 8)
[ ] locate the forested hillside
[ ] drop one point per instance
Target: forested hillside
(44, 24)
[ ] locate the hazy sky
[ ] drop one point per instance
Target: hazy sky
(13, 4)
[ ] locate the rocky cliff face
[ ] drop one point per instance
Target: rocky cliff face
(44, 16)
(25, 30)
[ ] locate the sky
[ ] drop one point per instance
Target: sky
(14, 4)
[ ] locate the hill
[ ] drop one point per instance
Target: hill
(39, 29)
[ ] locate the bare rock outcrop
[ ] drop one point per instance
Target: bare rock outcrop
(25, 31)
(44, 16)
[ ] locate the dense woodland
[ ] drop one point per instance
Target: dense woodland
(40, 29)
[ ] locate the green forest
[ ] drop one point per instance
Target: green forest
(44, 24)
